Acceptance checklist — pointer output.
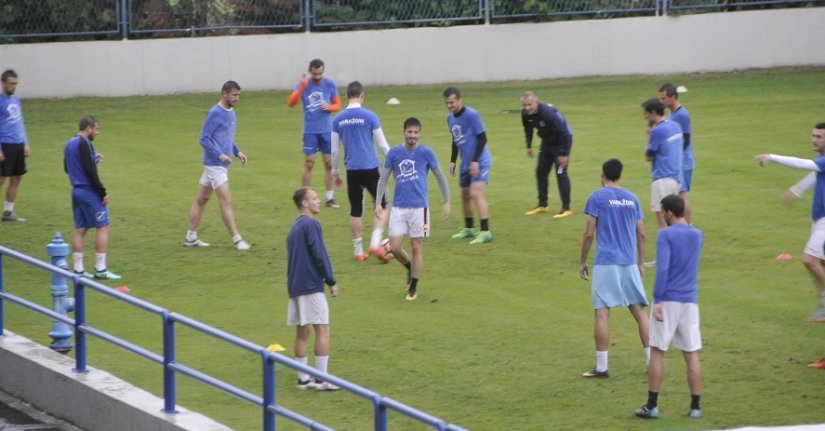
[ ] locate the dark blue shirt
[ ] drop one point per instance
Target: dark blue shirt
(553, 129)
(308, 265)
(79, 162)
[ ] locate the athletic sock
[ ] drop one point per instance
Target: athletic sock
(485, 224)
(647, 356)
(601, 361)
(77, 257)
(413, 284)
(236, 239)
(321, 363)
(100, 261)
(191, 235)
(468, 222)
(408, 265)
(330, 195)
(694, 402)
(375, 240)
(302, 377)
(357, 248)
(8, 206)
(652, 400)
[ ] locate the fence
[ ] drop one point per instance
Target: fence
(111, 19)
(266, 401)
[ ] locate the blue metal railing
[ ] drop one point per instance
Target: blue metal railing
(267, 400)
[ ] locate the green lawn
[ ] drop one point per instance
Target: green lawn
(501, 332)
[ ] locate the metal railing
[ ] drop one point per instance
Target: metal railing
(265, 400)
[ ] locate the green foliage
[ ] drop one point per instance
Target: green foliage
(501, 332)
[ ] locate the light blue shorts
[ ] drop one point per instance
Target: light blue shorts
(617, 286)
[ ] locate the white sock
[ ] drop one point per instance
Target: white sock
(330, 194)
(375, 240)
(100, 261)
(601, 361)
(647, 356)
(236, 239)
(302, 377)
(8, 206)
(321, 363)
(358, 249)
(77, 257)
(191, 235)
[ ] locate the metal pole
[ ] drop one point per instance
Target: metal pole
(168, 358)
(125, 16)
(2, 318)
(269, 391)
(308, 15)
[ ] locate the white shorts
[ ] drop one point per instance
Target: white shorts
(661, 188)
(214, 176)
(680, 326)
(414, 222)
(817, 240)
(309, 309)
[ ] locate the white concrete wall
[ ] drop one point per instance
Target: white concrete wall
(650, 45)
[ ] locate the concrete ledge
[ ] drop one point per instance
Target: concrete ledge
(94, 401)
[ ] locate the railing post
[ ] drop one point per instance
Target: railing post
(269, 391)
(168, 358)
(125, 16)
(79, 320)
(308, 15)
(380, 414)
(61, 332)
(2, 317)
(485, 6)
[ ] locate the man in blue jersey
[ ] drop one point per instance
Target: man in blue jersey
(614, 218)
(410, 215)
(319, 96)
(469, 138)
(675, 314)
(669, 96)
(308, 269)
(556, 144)
(14, 144)
(356, 128)
(218, 141)
(664, 149)
(814, 256)
(89, 198)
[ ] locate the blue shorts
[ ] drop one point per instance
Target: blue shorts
(314, 142)
(88, 209)
(483, 176)
(617, 286)
(686, 176)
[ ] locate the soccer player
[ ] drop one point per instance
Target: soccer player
(319, 96)
(357, 128)
(410, 215)
(814, 257)
(218, 141)
(669, 96)
(675, 314)
(469, 138)
(556, 144)
(308, 269)
(89, 198)
(614, 217)
(14, 144)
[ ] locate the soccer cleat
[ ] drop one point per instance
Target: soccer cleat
(818, 316)
(563, 214)
(412, 295)
(651, 264)
(195, 243)
(332, 204)
(242, 245)
(10, 216)
(646, 413)
(537, 210)
(694, 413)
(820, 364)
(106, 275)
(482, 237)
(464, 233)
(307, 384)
(596, 374)
(325, 386)
(84, 274)
(362, 257)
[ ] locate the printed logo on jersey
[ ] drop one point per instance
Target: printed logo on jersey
(458, 135)
(14, 113)
(316, 98)
(621, 203)
(406, 171)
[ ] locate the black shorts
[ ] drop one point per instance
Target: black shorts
(14, 165)
(357, 181)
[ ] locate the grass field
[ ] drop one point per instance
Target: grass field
(501, 332)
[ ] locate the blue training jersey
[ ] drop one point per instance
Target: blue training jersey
(355, 126)
(12, 129)
(410, 169)
(682, 117)
(218, 136)
(677, 263)
(818, 207)
(465, 130)
(616, 211)
(308, 264)
(665, 146)
(316, 120)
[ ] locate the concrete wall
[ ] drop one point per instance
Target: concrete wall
(651, 45)
(94, 401)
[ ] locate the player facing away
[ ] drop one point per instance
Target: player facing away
(614, 218)
(308, 269)
(814, 256)
(674, 317)
(556, 143)
(355, 129)
(669, 96)
(319, 97)
(409, 164)
(469, 138)
(89, 198)
(218, 141)
(14, 144)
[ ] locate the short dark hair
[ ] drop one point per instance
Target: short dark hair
(87, 121)
(820, 126)
(229, 86)
(669, 89)
(450, 91)
(674, 204)
(412, 121)
(315, 63)
(654, 105)
(354, 89)
(612, 169)
(300, 195)
(8, 73)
